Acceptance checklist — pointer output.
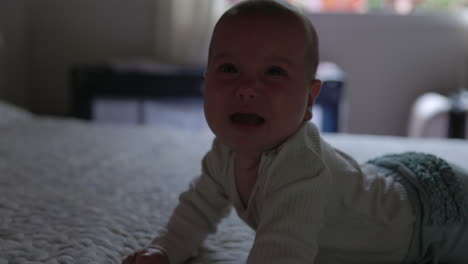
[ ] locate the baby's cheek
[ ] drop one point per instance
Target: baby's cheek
(213, 106)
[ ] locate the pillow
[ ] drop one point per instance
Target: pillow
(11, 114)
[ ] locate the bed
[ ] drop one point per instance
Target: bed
(73, 191)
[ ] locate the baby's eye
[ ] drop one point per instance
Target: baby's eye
(276, 71)
(227, 68)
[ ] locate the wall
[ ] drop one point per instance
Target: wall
(64, 33)
(13, 54)
(389, 60)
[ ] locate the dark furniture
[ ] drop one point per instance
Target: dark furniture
(458, 115)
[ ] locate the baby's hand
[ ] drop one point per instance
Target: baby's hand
(147, 256)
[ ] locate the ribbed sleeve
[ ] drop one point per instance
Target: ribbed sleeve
(199, 211)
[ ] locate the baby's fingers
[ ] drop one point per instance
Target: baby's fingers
(146, 256)
(130, 259)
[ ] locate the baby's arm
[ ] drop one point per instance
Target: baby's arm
(292, 211)
(199, 211)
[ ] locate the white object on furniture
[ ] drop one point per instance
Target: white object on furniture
(429, 116)
(432, 112)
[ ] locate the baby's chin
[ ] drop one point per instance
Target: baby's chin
(249, 140)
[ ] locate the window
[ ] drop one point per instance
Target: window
(378, 6)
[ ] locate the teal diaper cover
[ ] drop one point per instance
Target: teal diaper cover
(438, 192)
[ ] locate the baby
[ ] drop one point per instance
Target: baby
(307, 202)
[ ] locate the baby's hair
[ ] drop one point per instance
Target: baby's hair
(275, 8)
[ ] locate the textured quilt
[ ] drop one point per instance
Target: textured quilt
(76, 192)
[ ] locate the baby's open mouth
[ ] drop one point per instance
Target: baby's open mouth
(247, 119)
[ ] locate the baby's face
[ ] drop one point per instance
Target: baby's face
(257, 90)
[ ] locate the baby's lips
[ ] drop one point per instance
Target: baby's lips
(251, 114)
(248, 118)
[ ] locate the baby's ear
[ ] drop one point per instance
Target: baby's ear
(314, 91)
(315, 87)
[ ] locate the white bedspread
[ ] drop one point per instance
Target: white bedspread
(73, 192)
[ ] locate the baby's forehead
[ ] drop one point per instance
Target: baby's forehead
(261, 19)
(271, 15)
(262, 25)
(235, 28)
(265, 16)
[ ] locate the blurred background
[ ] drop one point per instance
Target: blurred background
(390, 52)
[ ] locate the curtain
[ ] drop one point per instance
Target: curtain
(183, 29)
(2, 67)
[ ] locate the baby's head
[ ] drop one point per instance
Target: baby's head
(260, 80)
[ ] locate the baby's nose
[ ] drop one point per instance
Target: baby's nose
(246, 93)
(247, 90)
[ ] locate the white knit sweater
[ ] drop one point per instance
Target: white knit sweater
(311, 204)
